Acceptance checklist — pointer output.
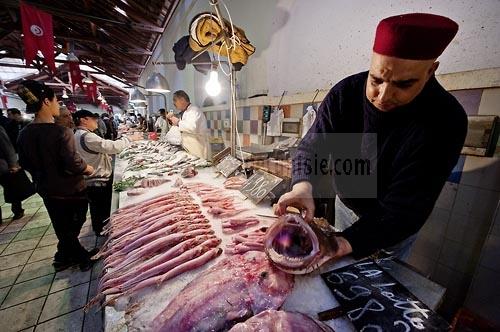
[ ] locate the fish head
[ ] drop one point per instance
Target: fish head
(297, 247)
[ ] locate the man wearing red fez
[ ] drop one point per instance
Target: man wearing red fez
(420, 130)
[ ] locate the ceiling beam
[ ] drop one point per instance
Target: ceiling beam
(125, 43)
(126, 38)
(118, 77)
(137, 50)
(5, 33)
(171, 10)
(117, 56)
(45, 75)
(90, 54)
(125, 49)
(76, 16)
(66, 85)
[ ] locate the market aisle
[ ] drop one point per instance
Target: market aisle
(32, 296)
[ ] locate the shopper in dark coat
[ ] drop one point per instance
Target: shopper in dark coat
(14, 125)
(9, 172)
(48, 152)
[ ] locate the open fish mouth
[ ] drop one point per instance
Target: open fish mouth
(298, 247)
(291, 244)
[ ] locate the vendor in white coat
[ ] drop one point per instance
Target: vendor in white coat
(192, 124)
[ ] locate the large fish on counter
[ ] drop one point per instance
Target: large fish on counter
(230, 292)
(278, 321)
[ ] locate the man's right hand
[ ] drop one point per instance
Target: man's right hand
(89, 170)
(300, 197)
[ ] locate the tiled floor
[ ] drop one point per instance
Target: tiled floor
(32, 296)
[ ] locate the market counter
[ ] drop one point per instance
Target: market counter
(310, 294)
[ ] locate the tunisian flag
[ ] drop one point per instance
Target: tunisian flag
(92, 91)
(76, 75)
(38, 35)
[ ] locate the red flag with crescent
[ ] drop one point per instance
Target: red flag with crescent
(38, 35)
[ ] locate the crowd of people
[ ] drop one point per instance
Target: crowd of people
(10, 171)
(69, 158)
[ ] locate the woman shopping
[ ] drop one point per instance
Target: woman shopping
(47, 151)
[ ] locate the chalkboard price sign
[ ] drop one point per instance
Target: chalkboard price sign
(228, 166)
(259, 185)
(375, 301)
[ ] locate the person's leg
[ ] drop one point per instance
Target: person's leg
(100, 206)
(62, 215)
(93, 198)
(17, 210)
(79, 215)
(80, 208)
(57, 211)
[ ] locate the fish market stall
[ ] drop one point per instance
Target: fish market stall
(219, 227)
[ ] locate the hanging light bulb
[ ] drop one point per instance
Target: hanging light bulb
(65, 95)
(87, 80)
(213, 86)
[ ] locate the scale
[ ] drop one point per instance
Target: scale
(257, 152)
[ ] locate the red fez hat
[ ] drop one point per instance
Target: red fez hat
(414, 36)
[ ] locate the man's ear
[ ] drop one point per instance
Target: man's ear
(433, 69)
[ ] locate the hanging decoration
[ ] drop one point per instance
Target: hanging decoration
(74, 71)
(71, 106)
(38, 35)
(92, 91)
(4, 101)
(3, 96)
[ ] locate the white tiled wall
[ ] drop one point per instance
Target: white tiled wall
(447, 197)
(481, 172)
(490, 102)
(448, 248)
(483, 297)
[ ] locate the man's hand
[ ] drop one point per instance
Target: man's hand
(300, 197)
(89, 170)
(174, 120)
